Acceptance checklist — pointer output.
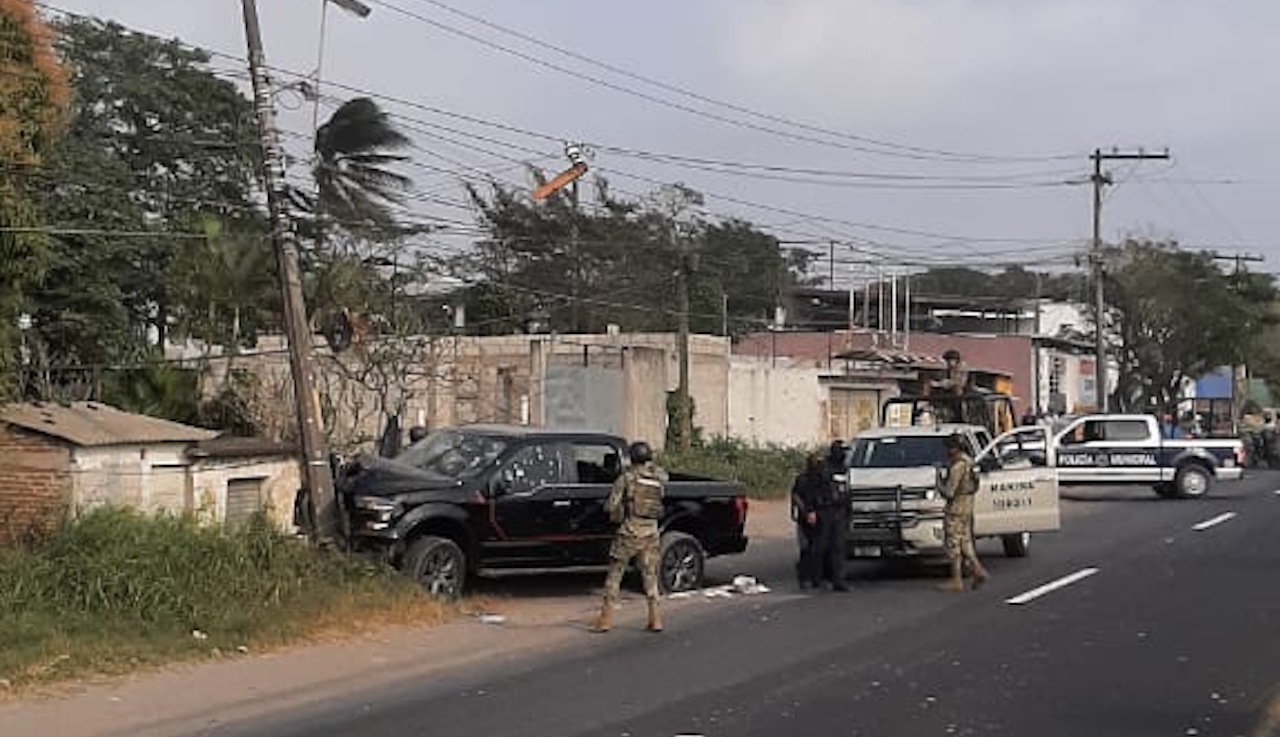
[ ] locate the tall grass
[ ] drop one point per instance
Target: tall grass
(765, 471)
(114, 589)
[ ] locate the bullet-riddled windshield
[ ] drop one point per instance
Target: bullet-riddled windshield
(453, 454)
(899, 452)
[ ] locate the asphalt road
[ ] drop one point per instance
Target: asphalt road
(1142, 617)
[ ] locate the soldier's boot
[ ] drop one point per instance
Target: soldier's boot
(980, 575)
(954, 584)
(604, 622)
(655, 618)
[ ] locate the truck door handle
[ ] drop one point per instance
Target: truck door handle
(561, 503)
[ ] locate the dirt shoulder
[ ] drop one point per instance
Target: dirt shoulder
(537, 617)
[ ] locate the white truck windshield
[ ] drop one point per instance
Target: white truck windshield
(899, 452)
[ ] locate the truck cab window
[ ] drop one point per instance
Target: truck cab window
(596, 463)
(531, 468)
(1127, 430)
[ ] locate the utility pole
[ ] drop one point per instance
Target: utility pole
(831, 288)
(1239, 374)
(1100, 180)
(684, 417)
(575, 245)
(317, 477)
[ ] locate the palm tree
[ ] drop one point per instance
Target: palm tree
(355, 188)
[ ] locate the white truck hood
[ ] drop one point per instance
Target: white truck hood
(880, 478)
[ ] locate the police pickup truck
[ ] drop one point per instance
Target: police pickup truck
(1130, 449)
(893, 483)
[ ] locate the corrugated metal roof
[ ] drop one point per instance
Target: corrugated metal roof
(91, 424)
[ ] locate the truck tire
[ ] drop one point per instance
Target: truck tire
(438, 565)
(1016, 546)
(681, 562)
(1192, 481)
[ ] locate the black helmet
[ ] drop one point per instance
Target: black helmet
(641, 452)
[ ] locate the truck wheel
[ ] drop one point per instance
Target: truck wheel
(1192, 481)
(438, 565)
(680, 563)
(1016, 546)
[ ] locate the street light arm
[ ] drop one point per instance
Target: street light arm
(355, 7)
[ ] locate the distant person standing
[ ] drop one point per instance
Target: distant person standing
(959, 490)
(635, 503)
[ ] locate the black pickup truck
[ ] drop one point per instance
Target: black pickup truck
(489, 499)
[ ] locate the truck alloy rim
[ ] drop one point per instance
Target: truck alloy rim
(440, 573)
(681, 567)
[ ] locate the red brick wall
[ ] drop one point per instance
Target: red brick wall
(35, 483)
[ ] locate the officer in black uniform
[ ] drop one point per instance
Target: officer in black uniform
(821, 512)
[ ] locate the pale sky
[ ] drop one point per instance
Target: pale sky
(999, 78)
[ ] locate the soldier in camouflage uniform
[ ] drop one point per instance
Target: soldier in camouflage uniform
(636, 504)
(957, 522)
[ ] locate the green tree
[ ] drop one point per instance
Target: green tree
(33, 100)
(224, 288)
(1160, 338)
(157, 144)
(615, 260)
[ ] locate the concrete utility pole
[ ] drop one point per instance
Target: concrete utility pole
(1099, 305)
(685, 417)
(1239, 374)
(316, 474)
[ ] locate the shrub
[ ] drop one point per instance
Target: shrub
(116, 588)
(765, 471)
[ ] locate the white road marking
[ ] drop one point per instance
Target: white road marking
(1215, 521)
(1277, 492)
(1063, 582)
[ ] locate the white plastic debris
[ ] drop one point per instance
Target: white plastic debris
(492, 619)
(199, 635)
(748, 585)
(243, 649)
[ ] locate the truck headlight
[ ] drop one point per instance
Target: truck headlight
(382, 510)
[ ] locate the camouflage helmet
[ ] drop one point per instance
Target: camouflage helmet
(641, 452)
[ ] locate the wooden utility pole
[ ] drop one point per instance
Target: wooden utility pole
(317, 478)
(1099, 305)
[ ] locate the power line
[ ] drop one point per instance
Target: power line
(894, 149)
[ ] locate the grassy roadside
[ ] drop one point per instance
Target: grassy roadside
(117, 591)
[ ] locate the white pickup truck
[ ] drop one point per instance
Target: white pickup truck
(1131, 449)
(893, 480)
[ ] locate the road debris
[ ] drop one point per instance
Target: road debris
(494, 619)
